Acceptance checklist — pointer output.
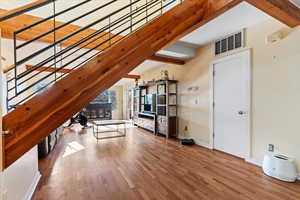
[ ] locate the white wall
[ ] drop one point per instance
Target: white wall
(275, 91)
(22, 176)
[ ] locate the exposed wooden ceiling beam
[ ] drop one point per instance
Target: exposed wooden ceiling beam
(52, 69)
(131, 76)
(167, 60)
(282, 10)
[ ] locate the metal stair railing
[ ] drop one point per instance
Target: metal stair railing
(23, 83)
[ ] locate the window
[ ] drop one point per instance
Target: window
(108, 96)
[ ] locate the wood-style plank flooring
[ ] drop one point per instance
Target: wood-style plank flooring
(142, 166)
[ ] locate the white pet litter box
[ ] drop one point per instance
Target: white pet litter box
(280, 167)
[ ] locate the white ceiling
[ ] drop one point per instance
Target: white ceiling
(234, 20)
(242, 16)
(296, 2)
(144, 67)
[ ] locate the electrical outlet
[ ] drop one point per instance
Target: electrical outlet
(271, 147)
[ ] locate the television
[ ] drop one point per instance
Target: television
(150, 103)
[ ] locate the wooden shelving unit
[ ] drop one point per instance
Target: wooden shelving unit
(164, 119)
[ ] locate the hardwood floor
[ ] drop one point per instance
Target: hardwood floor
(146, 167)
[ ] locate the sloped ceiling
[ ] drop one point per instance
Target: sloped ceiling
(296, 2)
(242, 16)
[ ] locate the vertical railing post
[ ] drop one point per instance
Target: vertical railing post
(146, 11)
(7, 102)
(54, 40)
(161, 7)
(15, 64)
(130, 16)
(109, 30)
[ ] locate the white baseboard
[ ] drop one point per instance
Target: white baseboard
(33, 186)
(254, 162)
(203, 144)
(198, 142)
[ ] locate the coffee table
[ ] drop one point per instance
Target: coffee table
(97, 124)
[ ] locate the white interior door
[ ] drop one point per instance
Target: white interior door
(231, 93)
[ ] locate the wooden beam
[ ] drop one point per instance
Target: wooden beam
(17, 11)
(167, 60)
(52, 69)
(9, 26)
(131, 76)
(282, 10)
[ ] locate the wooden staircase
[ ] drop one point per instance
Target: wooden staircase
(39, 116)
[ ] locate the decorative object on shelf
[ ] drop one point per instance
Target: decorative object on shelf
(161, 89)
(164, 74)
(151, 82)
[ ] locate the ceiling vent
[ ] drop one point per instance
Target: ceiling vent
(229, 43)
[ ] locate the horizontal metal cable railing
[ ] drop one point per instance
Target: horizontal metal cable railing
(82, 35)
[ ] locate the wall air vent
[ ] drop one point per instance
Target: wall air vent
(229, 43)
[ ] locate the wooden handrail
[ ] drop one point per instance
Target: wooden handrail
(18, 11)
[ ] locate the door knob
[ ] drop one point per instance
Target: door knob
(241, 112)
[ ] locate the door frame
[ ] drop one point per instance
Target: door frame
(247, 56)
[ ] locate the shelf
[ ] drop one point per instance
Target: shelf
(172, 93)
(161, 105)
